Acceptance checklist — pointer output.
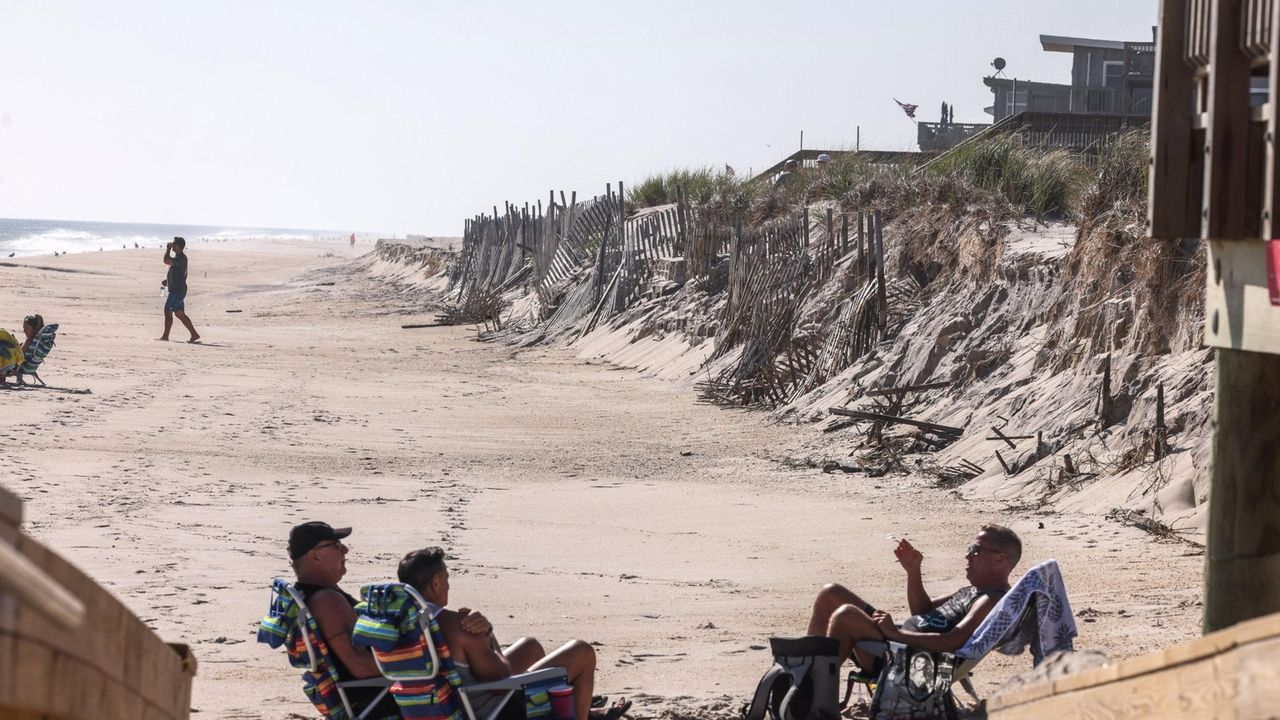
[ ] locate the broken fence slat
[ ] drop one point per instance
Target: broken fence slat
(891, 419)
(907, 388)
(1002, 436)
(1004, 464)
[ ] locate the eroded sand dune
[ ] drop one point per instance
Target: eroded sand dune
(579, 500)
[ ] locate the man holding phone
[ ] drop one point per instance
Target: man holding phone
(175, 257)
(938, 624)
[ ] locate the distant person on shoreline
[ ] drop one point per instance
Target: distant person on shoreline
(175, 257)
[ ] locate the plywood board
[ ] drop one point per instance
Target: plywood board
(1237, 304)
(1230, 673)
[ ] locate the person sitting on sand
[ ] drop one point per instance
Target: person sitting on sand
(937, 624)
(31, 325)
(319, 560)
(480, 658)
(175, 257)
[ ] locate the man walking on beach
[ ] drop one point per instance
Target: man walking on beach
(175, 256)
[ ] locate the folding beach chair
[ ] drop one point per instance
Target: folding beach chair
(400, 626)
(37, 351)
(1034, 613)
(288, 623)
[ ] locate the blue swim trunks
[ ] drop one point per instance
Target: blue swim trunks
(174, 302)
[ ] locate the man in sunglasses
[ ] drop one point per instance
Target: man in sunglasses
(319, 560)
(939, 624)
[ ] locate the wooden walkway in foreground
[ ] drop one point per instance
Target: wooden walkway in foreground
(1232, 673)
(71, 650)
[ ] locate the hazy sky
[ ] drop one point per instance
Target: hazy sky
(411, 116)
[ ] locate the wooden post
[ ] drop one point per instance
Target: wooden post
(862, 252)
(682, 230)
(1160, 406)
(881, 300)
(829, 245)
(1226, 144)
(844, 234)
(1242, 561)
(1162, 433)
(1104, 395)
(1175, 192)
(805, 230)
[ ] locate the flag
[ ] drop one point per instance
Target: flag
(907, 108)
(728, 169)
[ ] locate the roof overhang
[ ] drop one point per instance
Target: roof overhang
(1060, 43)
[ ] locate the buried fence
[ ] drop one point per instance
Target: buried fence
(804, 295)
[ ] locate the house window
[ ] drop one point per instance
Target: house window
(1010, 106)
(1113, 73)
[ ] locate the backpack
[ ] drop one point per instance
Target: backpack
(914, 684)
(803, 683)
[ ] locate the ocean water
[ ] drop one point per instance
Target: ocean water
(24, 237)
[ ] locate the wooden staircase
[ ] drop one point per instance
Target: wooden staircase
(69, 650)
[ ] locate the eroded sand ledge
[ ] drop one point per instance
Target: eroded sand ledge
(560, 487)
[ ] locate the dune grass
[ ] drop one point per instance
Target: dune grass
(1047, 185)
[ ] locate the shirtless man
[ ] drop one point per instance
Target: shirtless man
(937, 624)
(480, 658)
(320, 561)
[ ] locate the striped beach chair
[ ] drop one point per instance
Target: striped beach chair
(288, 624)
(37, 351)
(400, 627)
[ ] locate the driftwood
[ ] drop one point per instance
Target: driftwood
(945, 430)
(908, 389)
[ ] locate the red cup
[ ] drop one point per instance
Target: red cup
(562, 702)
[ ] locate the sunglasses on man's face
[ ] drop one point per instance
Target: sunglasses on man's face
(330, 544)
(975, 550)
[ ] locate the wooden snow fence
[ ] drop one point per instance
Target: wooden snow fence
(774, 271)
(587, 263)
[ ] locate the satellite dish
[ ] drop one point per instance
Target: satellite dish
(998, 64)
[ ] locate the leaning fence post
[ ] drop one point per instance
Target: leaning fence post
(881, 300)
(862, 254)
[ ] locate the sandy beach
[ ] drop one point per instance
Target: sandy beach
(576, 499)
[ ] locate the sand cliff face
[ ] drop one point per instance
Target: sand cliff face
(577, 500)
(1025, 322)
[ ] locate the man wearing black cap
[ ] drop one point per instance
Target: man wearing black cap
(320, 560)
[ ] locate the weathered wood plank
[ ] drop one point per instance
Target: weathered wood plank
(1242, 570)
(10, 509)
(894, 419)
(1175, 196)
(1226, 181)
(908, 388)
(1231, 673)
